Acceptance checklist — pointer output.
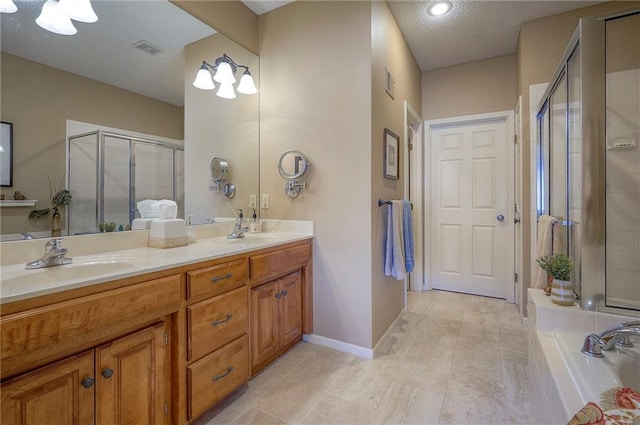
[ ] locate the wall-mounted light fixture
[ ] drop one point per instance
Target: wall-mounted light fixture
(225, 70)
(56, 16)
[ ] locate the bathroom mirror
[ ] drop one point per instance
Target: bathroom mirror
(48, 79)
(292, 165)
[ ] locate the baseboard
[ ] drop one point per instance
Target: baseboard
(346, 347)
(387, 333)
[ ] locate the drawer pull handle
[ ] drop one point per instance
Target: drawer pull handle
(223, 277)
(284, 293)
(87, 382)
(107, 373)
(221, 321)
(279, 295)
(219, 377)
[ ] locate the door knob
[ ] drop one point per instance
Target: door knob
(500, 217)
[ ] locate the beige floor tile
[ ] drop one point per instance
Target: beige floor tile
(253, 416)
(292, 358)
(407, 404)
(333, 410)
(446, 311)
(514, 339)
(471, 400)
(516, 391)
(478, 357)
(486, 329)
(432, 374)
(227, 410)
(293, 397)
(519, 357)
(364, 382)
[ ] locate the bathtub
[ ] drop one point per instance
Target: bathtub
(591, 376)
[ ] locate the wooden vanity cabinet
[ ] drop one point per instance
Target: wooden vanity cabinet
(276, 309)
(121, 382)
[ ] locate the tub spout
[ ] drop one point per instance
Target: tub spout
(594, 343)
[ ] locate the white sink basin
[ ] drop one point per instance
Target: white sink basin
(17, 280)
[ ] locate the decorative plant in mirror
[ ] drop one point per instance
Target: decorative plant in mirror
(225, 70)
(61, 198)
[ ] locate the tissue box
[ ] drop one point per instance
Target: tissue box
(168, 233)
(141, 223)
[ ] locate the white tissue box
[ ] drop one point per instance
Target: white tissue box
(141, 223)
(168, 233)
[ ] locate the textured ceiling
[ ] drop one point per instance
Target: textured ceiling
(473, 30)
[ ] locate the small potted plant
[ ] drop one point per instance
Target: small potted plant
(558, 268)
(60, 198)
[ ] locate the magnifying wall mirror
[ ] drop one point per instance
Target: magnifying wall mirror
(292, 166)
(219, 168)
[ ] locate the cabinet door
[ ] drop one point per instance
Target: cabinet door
(131, 381)
(264, 312)
(62, 393)
(290, 308)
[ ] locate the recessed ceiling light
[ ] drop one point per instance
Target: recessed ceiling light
(439, 8)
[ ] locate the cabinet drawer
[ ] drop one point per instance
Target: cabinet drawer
(280, 261)
(214, 322)
(212, 378)
(218, 279)
(38, 334)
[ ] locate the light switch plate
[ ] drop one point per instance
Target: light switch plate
(253, 201)
(264, 202)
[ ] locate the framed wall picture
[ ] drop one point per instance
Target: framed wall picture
(391, 155)
(6, 154)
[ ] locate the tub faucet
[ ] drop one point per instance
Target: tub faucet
(594, 343)
(239, 228)
(54, 255)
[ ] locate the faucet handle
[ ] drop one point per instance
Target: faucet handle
(53, 244)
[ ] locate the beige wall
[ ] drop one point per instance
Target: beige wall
(315, 72)
(216, 127)
(231, 18)
(38, 100)
(388, 49)
(540, 47)
(478, 87)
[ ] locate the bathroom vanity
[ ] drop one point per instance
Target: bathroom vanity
(158, 343)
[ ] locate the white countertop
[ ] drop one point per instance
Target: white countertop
(18, 283)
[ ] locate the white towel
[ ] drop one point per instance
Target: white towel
(544, 246)
(394, 263)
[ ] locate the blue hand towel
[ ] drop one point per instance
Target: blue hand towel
(394, 263)
(407, 229)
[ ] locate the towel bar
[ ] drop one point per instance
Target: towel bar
(382, 202)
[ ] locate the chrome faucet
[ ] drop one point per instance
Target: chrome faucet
(54, 255)
(26, 236)
(619, 335)
(239, 228)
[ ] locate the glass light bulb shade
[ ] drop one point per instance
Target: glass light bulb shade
(8, 6)
(226, 91)
(224, 74)
(247, 86)
(78, 10)
(203, 79)
(439, 8)
(51, 19)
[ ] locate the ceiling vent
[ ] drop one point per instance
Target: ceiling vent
(145, 46)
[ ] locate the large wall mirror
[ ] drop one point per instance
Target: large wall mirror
(56, 86)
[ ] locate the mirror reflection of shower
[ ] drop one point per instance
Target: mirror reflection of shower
(109, 171)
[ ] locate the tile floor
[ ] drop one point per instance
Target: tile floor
(451, 359)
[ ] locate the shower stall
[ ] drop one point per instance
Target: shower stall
(588, 161)
(108, 173)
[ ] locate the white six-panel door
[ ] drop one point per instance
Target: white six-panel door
(471, 242)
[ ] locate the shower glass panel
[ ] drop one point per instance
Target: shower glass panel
(557, 158)
(109, 172)
(83, 179)
(622, 161)
(154, 172)
(574, 84)
(116, 181)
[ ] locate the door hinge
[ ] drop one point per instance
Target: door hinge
(166, 408)
(515, 139)
(515, 277)
(410, 146)
(166, 338)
